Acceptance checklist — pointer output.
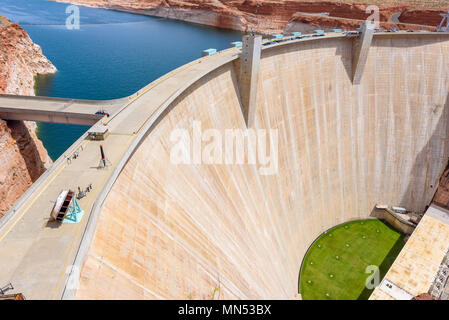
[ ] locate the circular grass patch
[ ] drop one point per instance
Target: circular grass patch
(357, 244)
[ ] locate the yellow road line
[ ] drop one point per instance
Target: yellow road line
(17, 219)
(76, 236)
(171, 74)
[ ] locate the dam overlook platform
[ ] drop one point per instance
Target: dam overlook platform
(361, 117)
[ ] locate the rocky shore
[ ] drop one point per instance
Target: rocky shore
(23, 158)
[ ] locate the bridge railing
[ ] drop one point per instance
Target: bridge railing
(57, 99)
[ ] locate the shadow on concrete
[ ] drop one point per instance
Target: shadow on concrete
(343, 49)
(27, 148)
(384, 266)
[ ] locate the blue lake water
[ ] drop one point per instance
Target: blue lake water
(112, 55)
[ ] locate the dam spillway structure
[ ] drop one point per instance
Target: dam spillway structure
(360, 119)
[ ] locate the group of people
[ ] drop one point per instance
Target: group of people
(82, 194)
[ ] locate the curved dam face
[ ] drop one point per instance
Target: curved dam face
(200, 231)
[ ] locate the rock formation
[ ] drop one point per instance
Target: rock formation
(273, 16)
(23, 158)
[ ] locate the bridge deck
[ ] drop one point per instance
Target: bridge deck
(69, 111)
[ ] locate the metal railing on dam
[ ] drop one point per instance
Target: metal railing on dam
(45, 261)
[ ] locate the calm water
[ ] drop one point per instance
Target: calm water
(113, 54)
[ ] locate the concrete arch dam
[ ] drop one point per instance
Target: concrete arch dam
(359, 121)
(225, 231)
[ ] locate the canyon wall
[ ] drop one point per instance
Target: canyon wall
(273, 16)
(22, 156)
(220, 231)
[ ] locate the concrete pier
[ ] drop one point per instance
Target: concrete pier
(360, 51)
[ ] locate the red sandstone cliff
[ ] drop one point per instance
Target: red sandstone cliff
(273, 16)
(22, 156)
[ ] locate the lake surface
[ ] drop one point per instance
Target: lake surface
(112, 55)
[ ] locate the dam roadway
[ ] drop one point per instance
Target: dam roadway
(45, 261)
(35, 253)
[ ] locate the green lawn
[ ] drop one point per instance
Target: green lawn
(334, 267)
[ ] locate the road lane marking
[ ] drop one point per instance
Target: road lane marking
(89, 203)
